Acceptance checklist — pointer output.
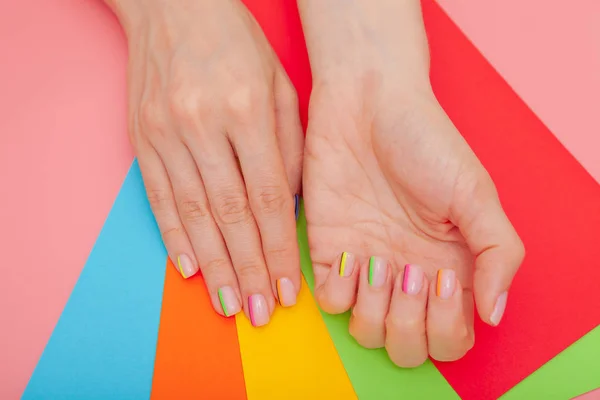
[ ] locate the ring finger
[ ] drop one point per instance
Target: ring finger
(194, 212)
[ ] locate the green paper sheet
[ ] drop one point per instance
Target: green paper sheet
(371, 372)
(571, 373)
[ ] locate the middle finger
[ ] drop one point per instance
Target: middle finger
(229, 203)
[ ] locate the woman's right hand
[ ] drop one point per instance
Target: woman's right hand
(215, 127)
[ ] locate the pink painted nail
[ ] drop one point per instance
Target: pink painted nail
(446, 283)
(378, 270)
(286, 292)
(185, 266)
(258, 310)
(412, 280)
(346, 264)
(499, 309)
(229, 301)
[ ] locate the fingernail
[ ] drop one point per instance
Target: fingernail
(258, 310)
(499, 309)
(377, 271)
(297, 205)
(229, 301)
(286, 292)
(412, 279)
(446, 282)
(346, 264)
(185, 266)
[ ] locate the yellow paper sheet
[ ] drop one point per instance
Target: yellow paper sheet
(293, 357)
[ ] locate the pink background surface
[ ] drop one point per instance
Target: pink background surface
(63, 155)
(549, 52)
(593, 395)
(64, 151)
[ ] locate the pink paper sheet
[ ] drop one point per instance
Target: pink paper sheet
(549, 52)
(593, 395)
(63, 155)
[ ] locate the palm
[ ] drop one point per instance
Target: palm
(391, 177)
(385, 186)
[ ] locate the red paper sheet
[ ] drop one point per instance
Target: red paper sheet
(553, 203)
(551, 199)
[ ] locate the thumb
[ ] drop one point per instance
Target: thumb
(496, 245)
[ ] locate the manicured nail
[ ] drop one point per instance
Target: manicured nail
(297, 205)
(185, 266)
(412, 279)
(499, 309)
(346, 264)
(377, 271)
(286, 292)
(446, 282)
(229, 301)
(258, 310)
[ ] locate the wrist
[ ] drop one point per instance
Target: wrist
(128, 12)
(364, 38)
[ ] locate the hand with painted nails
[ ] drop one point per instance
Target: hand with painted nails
(215, 127)
(405, 225)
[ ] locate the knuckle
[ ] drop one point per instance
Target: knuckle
(278, 253)
(244, 101)
(170, 232)
(232, 209)
(364, 317)
(184, 104)
(159, 199)
(215, 267)
(271, 200)
(451, 345)
(248, 270)
(151, 116)
(194, 210)
(331, 304)
(370, 336)
(410, 325)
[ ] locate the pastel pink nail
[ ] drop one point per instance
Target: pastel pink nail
(286, 292)
(186, 266)
(229, 301)
(412, 279)
(346, 264)
(378, 270)
(258, 310)
(499, 309)
(446, 283)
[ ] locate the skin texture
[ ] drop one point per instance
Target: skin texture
(386, 174)
(214, 124)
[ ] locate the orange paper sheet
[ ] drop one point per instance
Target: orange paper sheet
(197, 355)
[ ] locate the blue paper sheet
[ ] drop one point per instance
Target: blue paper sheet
(104, 344)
